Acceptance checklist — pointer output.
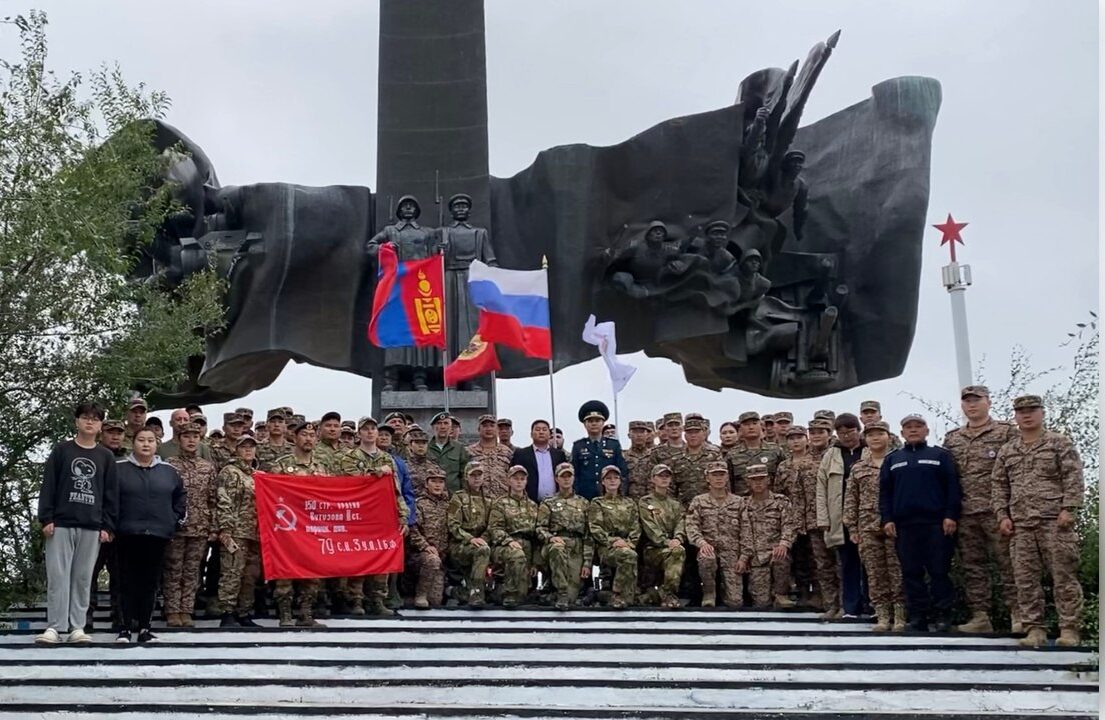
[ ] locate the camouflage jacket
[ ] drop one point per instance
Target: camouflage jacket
(715, 521)
(467, 516)
(268, 453)
(235, 508)
(1032, 483)
(495, 461)
(512, 519)
(861, 497)
(199, 492)
(688, 469)
(609, 519)
(639, 463)
(661, 519)
(742, 456)
(289, 465)
(764, 525)
(975, 450)
(420, 467)
(432, 527)
(796, 477)
(331, 457)
(357, 462)
(663, 454)
(564, 517)
(222, 453)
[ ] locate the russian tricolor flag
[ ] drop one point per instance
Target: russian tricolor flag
(514, 307)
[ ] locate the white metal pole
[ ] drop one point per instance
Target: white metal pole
(957, 278)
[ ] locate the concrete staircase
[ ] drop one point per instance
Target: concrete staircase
(538, 663)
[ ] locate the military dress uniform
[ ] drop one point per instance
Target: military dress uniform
(513, 519)
(431, 530)
(765, 524)
(565, 516)
(661, 522)
(610, 519)
(717, 521)
(589, 457)
(308, 589)
(236, 517)
(467, 518)
(189, 544)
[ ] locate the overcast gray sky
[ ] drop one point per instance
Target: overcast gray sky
(286, 91)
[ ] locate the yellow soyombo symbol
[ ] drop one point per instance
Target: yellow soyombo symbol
(426, 308)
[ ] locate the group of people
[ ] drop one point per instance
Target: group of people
(840, 514)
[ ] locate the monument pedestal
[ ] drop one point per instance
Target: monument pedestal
(465, 405)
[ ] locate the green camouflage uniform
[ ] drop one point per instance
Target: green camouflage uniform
(661, 521)
(513, 520)
(357, 462)
(565, 517)
(188, 547)
(308, 589)
(236, 516)
(466, 518)
(610, 519)
(267, 454)
(741, 456)
(688, 469)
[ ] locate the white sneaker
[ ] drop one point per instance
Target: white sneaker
(49, 636)
(79, 636)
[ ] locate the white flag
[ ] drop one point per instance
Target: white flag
(602, 337)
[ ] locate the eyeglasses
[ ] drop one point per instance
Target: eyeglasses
(89, 418)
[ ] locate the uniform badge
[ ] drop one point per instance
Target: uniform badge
(650, 507)
(764, 459)
(993, 453)
(608, 453)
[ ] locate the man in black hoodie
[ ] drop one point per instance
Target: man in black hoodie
(77, 507)
(919, 501)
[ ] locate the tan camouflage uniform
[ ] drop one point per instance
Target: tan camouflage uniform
(796, 477)
(877, 552)
(639, 463)
(308, 589)
(688, 469)
(430, 530)
(420, 468)
(354, 463)
(495, 461)
(744, 455)
(717, 522)
(764, 525)
(189, 544)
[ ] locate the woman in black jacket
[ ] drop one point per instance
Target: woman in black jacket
(151, 508)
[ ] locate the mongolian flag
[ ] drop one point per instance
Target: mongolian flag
(407, 309)
(479, 358)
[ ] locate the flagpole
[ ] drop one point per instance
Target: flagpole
(444, 284)
(552, 386)
(617, 425)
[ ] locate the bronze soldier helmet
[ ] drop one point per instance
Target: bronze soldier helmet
(594, 408)
(409, 198)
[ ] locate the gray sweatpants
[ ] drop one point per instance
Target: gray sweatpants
(70, 556)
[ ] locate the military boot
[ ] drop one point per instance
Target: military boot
(228, 620)
(475, 598)
(173, 620)
(376, 607)
(187, 621)
(1015, 625)
(882, 618)
(709, 597)
(284, 607)
(979, 623)
(617, 602)
(307, 619)
(832, 612)
(421, 602)
(563, 601)
(783, 601)
(1069, 637)
(1035, 638)
(900, 621)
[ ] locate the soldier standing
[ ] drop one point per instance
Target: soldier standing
(876, 550)
(752, 450)
(637, 458)
(615, 531)
(870, 411)
(277, 444)
(419, 463)
(448, 454)
(1037, 493)
(511, 530)
(664, 538)
(223, 449)
(566, 548)
(689, 465)
(236, 528)
(329, 449)
(767, 532)
(712, 525)
(671, 442)
(505, 429)
(821, 435)
(796, 477)
(975, 447)
(467, 518)
(783, 422)
(398, 422)
(429, 539)
(189, 543)
(493, 456)
(594, 452)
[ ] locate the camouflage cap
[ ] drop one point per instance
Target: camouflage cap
(767, 419)
(824, 415)
(757, 470)
(870, 405)
(297, 420)
(486, 419)
(243, 440)
(276, 413)
(351, 424)
(505, 422)
(473, 466)
(288, 412)
(232, 418)
(661, 469)
(638, 425)
(717, 466)
(260, 425)
(979, 390)
(784, 417)
(245, 412)
(821, 424)
(137, 402)
(748, 417)
(367, 420)
(395, 414)
(435, 471)
(694, 423)
(199, 418)
(348, 430)
(216, 434)
(878, 425)
(114, 425)
(673, 418)
(564, 468)
(659, 423)
(417, 434)
(189, 427)
(1028, 401)
(610, 469)
(515, 469)
(913, 418)
(696, 416)
(386, 429)
(796, 430)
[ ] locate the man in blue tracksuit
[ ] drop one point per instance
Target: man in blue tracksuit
(919, 501)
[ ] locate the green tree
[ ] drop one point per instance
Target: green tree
(80, 197)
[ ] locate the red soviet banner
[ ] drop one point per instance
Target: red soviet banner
(323, 527)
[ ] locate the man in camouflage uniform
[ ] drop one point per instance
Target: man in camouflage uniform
(637, 458)
(135, 420)
(663, 537)
(813, 563)
(223, 450)
(1037, 493)
(975, 446)
(111, 437)
(767, 422)
(821, 437)
(712, 524)
(870, 411)
(429, 540)
(189, 544)
(689, 464)
(398, 423)
(347, 436)
(235, 526)
(278, 444)
(566, 548)
(615, 531)
(301, 461)
(370, 461)
(877, 551)
(783, 423)
(672, 442)
(751, 449)
(329, 449)
(767, 532)
(466, 518)
(505, 429)
(660, 433)
(493, 456)
(418, 462)
(511, 532)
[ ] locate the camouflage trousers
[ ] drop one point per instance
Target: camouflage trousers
(308, 593)
(980, 543)
(879, 556)
(623, 562)
(352, 589)
(565, 563)
(472, 561)
(826, 569)
(238, 576)
(724, 562)
(430, 569)
(181, 577)
(768, 580)
(1047, 549)
(666, 564)
(515, 564)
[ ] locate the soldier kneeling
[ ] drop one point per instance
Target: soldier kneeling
(615, 530)
(429, 538)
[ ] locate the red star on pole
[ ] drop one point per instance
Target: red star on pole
(951, 229)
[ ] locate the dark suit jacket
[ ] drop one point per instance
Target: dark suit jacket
(528, 459)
